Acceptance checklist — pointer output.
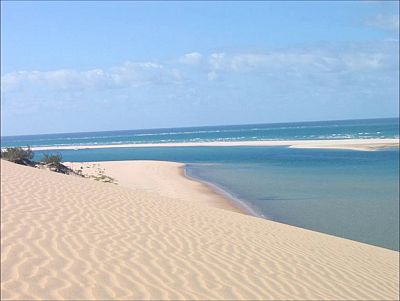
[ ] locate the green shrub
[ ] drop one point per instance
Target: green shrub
(52, 159)
(17, 154)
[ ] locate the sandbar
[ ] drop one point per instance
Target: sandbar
(352, 144)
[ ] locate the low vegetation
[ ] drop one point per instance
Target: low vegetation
(24, 156)
(53, 162)
(104, 178)
(52, 159)
(18, 155)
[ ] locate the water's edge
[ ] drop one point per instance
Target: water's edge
(222, 191)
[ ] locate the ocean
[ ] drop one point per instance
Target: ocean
(346, 193)
(345, 129)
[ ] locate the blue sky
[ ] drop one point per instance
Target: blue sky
(88, 66)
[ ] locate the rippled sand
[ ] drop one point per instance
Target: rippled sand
(65, 237)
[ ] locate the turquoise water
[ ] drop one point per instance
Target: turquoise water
(351, 194)
(345, 129)
(348, 194)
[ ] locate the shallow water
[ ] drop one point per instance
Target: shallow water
(348, 194)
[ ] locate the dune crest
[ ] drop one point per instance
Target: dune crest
(65, 237)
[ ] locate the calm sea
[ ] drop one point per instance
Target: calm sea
(352, 194)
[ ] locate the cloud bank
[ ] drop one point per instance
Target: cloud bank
(128, 74)
(362, 59)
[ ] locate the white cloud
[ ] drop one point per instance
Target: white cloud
(128, 74)
(193, 58)
(304, 62)
(297, 62)
(218, 61)
(390, 22)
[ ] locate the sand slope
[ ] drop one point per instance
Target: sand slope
(64, 237)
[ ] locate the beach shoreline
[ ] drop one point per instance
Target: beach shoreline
(217, 190)
(118, 171)
(349, 144)
(139, 174)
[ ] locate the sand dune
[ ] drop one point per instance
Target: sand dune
(65, 237)
(353, 144)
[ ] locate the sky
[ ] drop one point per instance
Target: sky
(91, 66)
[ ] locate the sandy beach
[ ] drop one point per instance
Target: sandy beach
(157, 235)
(162, 177)
(352, 144)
